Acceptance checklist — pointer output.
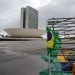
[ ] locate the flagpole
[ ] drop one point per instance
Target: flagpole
(49, 65)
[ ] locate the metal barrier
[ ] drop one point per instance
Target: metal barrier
(60, 47)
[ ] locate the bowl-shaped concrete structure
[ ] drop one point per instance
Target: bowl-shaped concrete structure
(25, 33)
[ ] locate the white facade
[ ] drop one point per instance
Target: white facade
(31, 18)
(25, 33)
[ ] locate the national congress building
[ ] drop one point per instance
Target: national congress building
(28, 24)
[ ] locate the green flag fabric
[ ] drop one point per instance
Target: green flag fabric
(53, 42)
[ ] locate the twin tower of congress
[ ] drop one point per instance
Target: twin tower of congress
(29, 18)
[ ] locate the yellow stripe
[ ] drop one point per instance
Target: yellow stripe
(50, 44)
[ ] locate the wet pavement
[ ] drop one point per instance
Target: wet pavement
(22, 57)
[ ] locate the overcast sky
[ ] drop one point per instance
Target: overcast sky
(10, 11)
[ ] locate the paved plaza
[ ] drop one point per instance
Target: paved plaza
(22, 57)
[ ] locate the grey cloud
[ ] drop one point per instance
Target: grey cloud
(10, 11)
(63, 8)
(67, 2)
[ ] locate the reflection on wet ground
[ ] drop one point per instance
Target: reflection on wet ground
(22, 57)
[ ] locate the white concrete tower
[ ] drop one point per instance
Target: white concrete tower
(29, 18)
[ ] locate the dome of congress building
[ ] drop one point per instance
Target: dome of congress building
(25, 33)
